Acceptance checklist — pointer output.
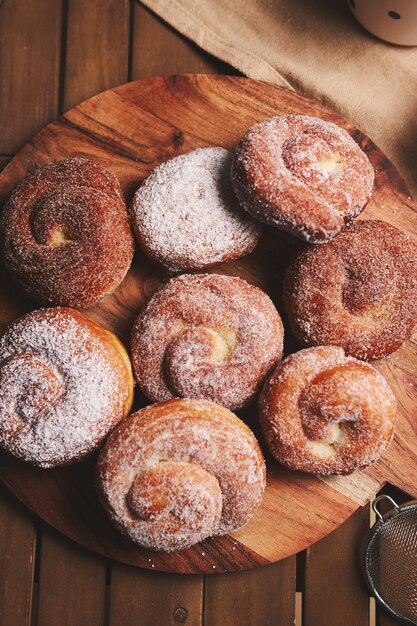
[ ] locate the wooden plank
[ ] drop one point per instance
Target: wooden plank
(153, 599)
(158, 50)
(17, 555)
(265, 596)
(97, 48)
(30, 34)
(335, 592)
(72, 583)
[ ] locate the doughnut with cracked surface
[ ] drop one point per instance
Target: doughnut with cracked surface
(206, 336)
(302, 175)
(186, 217)
(326, 413)
(178, 472)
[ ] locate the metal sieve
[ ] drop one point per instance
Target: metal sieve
(391, 559)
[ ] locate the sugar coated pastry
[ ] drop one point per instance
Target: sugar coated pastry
(178, 472)
(186, 217)
(358, 291)
(65, 382)
(326, 413)
(65, 234)
(206, 336)
(302, 175)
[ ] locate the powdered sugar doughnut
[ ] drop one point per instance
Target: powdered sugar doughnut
(65, 235)
(65, 382)
(178, 472)
(206, 336)
(186, 217)
(358, 291)
(326, 413)
(302, 175)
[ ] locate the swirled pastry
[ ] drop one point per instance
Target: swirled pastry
(302, 175)
(178, 472)
(326, 413)
(186, 217)
(65, 235)
(206, 336)
(65, 382)
(358, 291)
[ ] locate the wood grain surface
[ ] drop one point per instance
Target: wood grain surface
(130, 130)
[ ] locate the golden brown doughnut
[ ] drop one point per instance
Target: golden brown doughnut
(186, 217)
(65, 382)
(302, 175)
(178, 472)
(65, 235)
(325, 413)
(358, 291)
(206, 336)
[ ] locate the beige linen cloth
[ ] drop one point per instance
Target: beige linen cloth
(317, 48)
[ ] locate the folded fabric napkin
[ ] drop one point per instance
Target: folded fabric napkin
(318, 49)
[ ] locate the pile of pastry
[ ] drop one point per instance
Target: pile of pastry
(186, 467)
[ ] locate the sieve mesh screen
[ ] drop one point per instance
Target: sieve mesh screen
(391, 563)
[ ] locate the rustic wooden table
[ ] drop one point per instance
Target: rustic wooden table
(54, 54)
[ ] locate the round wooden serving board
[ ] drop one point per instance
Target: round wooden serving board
(130, 130)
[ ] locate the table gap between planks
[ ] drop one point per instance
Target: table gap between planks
(54, 54)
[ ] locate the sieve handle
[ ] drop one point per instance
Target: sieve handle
(378, 499)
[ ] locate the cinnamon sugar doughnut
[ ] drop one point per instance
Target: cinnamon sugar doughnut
(65, 382)
(302, 175)
(206, 336)
(65, 235)
(185, 214)
(178, 472)
(358, 291)
(326, 413)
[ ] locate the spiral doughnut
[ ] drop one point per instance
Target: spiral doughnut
(325, 413)
(186, 216)
(65, 382)
(65, 235)
(206, 336)
(302, 175)
(358, 291)
(178, 472)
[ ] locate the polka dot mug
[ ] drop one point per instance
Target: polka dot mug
(392, 20)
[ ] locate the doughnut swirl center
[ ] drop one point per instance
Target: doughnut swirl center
(180, 493)
(311, 159)
(28, 386)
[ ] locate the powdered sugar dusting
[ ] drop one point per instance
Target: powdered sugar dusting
(325, 413)
(358, 291)
(62, 387)
(65, 233)
(185, 214)
(204, 467)
(206, 336)
(301, 174)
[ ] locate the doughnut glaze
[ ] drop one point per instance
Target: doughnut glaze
(178, 472)
(325, 413)
(302, 175)
(206, 336)
(65, 235)
(186, 217)
(358, 291)
(65, 382)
